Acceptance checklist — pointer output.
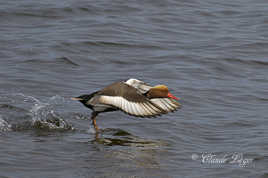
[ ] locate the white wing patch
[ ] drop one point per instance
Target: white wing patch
(139, 85)
(141, 109)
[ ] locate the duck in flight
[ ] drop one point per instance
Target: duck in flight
(133, 97)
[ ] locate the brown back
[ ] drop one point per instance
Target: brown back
(121, 89)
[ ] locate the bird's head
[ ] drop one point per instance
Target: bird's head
(160, 91)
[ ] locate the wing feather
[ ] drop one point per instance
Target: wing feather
(147, 109)
(172, 102)
(162, 104)
(155, 109)
(139, 109)
(169, 105)
(131, 108)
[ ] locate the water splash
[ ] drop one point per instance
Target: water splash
(44, 117)
(27, 98)
(43, 114)
(4, 125)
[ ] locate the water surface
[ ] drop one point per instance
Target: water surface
(211, 54)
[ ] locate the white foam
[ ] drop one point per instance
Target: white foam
(4, 125)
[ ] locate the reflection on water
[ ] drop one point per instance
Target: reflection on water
(129, 150)
(119, 137)
(143, 158)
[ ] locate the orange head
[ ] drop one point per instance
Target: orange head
(160, 91)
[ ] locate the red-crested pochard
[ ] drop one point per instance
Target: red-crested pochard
(133, 97)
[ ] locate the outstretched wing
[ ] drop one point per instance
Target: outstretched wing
(139, 109)
(132, 101)
(167, 104)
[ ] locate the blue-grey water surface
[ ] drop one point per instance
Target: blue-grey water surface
(211, 54)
